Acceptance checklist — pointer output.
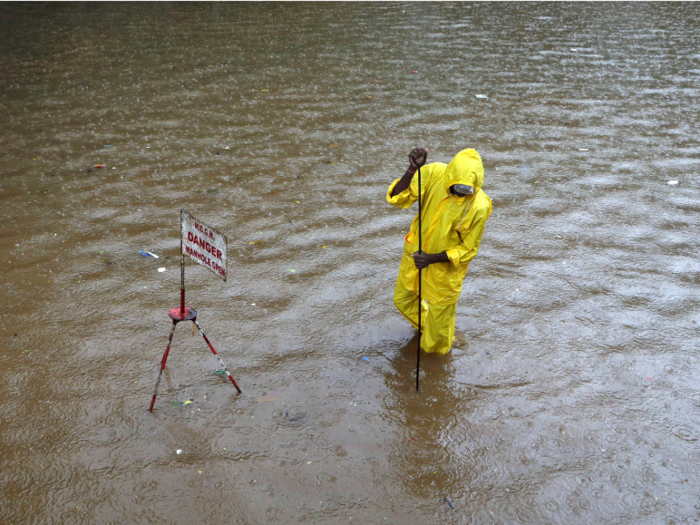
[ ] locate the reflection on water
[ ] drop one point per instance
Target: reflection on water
(570, 395)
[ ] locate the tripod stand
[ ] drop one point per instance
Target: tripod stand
(179, 314)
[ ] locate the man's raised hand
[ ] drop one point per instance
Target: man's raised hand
(417, 157)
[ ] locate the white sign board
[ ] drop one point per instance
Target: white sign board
(203, 244)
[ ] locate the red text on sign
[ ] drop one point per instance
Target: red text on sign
(206, 260)
(204, 230)
(204, 245)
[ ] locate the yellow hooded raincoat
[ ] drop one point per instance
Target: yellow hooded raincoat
(451, 224)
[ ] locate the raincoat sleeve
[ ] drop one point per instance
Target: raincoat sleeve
(407, 197)
(471, 239)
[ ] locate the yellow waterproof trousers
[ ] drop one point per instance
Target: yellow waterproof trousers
(438, 320)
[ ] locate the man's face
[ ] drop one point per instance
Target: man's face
(462, 190)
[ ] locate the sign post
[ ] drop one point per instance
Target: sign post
(207, 247)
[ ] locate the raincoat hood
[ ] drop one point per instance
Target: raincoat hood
(465, 168)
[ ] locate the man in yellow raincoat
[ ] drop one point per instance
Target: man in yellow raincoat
(455, 210)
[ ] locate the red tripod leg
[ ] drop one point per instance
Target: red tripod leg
(217, 356)
(162, 365)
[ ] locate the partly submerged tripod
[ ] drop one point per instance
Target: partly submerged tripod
(177, 314)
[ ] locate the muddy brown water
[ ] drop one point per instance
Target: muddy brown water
(571, 395)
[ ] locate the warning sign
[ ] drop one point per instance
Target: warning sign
(203, 244)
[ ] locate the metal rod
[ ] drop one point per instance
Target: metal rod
(217, 356)
(162, 365)
(420, 278)
(182, 271)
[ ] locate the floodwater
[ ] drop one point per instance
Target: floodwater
(571, 395)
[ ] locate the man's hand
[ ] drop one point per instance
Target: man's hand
(423, 260)
(417, 157)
